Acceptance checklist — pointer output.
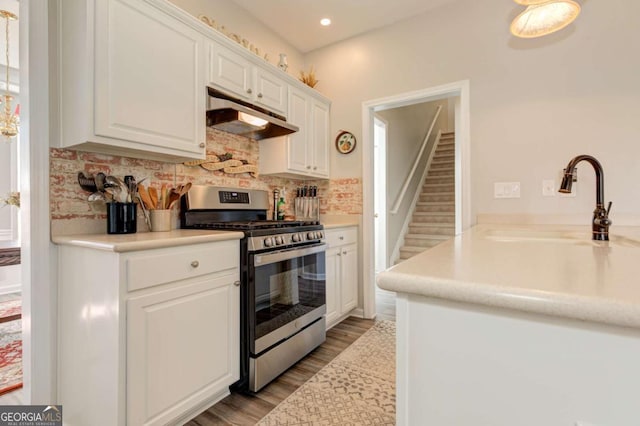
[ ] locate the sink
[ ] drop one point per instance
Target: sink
(556, 236)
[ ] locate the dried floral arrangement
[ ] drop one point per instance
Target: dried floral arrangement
(309, 78)
(12, 199)
(235, 37)
(226, 163)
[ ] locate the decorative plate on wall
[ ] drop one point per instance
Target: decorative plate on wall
(345, 142)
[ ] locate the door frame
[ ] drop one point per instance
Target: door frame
(38, 257)
(459, 89)
(382, 215)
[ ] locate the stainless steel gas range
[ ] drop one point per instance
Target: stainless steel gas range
(282, 269)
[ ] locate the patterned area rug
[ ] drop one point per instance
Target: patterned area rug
(10, 356)
(10, 342)
(356, 388)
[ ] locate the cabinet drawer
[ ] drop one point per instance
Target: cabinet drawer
(155, 267)
(340, 236)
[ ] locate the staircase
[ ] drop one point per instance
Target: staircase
(433, 218)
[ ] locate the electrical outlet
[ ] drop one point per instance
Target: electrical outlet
(548, 188)
(506, 190)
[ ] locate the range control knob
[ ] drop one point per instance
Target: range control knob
(268, 242)
(310, 236)
(320, 234)
(295, 238)
(279, 240)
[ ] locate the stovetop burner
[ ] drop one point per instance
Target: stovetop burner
(255, 224)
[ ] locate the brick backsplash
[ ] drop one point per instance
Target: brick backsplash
(68, 201)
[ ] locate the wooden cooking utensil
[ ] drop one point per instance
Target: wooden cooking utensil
(144, 196)
(153, 195)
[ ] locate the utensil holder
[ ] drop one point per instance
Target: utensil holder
(160, 220)
(121, 218)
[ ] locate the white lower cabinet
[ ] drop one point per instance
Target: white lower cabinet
(341, 273)
(150, 351)
(181, 348)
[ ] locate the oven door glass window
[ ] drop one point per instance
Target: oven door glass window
(287, 290)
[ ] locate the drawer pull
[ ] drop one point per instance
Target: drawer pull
(236, 283)
(202, 145)
(249, 91)
(342, 238)
(344, 252)
(260, 95)
(195, 264)
(339, 254)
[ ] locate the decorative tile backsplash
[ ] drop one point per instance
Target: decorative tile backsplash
(68, 201)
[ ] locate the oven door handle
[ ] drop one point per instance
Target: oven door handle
(279, 256)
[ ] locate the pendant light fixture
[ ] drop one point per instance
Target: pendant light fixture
(542, 17)
(9, 120)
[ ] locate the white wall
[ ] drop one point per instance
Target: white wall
(236, 20)
(534, 103)
(407, 128)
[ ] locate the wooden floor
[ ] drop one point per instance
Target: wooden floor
(385, 304)
(244, 409)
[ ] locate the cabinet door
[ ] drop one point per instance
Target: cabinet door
(319, 140)
(332, 266)
(297, 142)
(271, 91)
(230, 72)
(148, 77)
(182, 347)
(349, 277)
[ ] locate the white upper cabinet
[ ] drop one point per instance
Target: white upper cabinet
(131, 80)
(236, 75)
(304, 154)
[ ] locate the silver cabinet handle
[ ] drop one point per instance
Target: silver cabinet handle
(236, 283)
(195, 264)
(249, 91)
(260, 95)
(202, 145)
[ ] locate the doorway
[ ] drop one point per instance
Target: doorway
(459, 91)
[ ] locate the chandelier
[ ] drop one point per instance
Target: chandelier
(9, 120)
(543, 17)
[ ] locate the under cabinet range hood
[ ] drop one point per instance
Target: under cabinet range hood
(241, 118)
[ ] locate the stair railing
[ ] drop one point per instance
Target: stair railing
(407, 182)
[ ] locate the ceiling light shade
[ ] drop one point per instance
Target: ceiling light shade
(545, 18)
(325, 22)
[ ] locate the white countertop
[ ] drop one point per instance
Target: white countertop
(547, 269)
(145, 240)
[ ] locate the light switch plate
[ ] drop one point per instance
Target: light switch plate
(506, 190)
(548, 188)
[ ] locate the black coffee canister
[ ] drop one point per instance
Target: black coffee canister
(121, 218)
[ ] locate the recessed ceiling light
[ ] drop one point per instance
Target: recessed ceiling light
(325, 22)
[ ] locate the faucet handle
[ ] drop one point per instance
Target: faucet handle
(609, 208)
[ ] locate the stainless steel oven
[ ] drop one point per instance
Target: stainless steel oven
(283, 286)
(287, 304)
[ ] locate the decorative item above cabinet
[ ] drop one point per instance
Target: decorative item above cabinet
(131, 80)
